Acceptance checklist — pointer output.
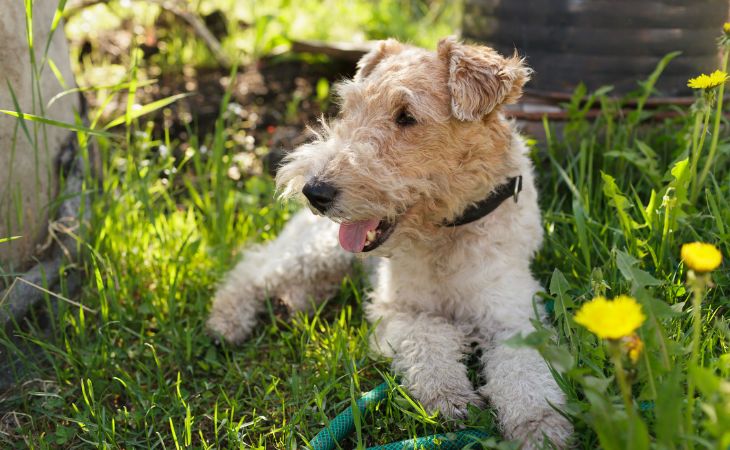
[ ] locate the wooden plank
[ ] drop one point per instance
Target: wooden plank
(584, 40)
(606, 13)
(337, 50)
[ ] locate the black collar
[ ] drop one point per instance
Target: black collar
(511, 188)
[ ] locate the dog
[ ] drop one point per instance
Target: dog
(422, 173)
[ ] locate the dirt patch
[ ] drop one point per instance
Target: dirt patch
(271, 104)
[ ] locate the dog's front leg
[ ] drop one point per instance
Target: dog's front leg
(522, 389)
(427, 352)
(304, 265)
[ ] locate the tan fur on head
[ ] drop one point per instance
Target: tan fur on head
(480, 79)
(371, 59)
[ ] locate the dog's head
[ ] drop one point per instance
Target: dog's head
(419, 138)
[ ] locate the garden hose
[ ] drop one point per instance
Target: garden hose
(344, 424)
(447, 441)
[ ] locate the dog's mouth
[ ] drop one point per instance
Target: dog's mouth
(365, 235)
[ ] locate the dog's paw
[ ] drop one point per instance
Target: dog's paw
(549, 424)
(446, 393)
(221, 327)
(453, 405)
(231, 318)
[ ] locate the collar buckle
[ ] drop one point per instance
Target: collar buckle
(518, 188)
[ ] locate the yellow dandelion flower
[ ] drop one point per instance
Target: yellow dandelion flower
(710, 81)
(611, 319)
(634, 347)
(701, 257)
(726, 27)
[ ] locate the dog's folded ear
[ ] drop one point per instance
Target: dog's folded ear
(372, 58)
(480, 79)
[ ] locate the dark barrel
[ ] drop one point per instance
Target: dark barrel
(602, 42)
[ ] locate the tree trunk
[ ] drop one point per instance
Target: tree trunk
(28, 150)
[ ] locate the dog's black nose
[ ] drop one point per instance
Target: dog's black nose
(321, 195)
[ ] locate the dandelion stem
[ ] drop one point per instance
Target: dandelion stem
(716, 124)
(662, 343)
(693, 156)
(621, 378)
(698, 148)
(652, 386)
(697, 284)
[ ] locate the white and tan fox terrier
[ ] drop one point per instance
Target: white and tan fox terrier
(422, 172)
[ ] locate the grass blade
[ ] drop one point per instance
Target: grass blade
(136, 113)
(56, 123)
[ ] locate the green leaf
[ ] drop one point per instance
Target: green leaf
(606, 421)
(622, 204)
(559, 287)
(668, 410)
(534, 339)
(56, 123)
(650, 210)
(638, 434)
(63, 434)
(639, 278)
(57, 73)
(649, 162)
(597, 384)
(678, 190)
(707, 382)
(558, 357)
(146, 109)
(612, 191)
(111, 87)
(17, 108)
(680, 172)
(582, 231)
(647, 87)
(645, 160)
(658, 308)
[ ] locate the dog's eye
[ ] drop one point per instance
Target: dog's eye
(405, 119)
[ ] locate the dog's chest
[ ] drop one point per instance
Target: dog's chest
(451, 287)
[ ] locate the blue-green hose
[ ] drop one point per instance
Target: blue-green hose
(447, 441)
(344, 424)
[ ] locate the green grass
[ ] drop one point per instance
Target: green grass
(141, 371)
(138, 370)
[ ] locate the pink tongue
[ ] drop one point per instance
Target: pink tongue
(353, 235)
